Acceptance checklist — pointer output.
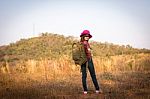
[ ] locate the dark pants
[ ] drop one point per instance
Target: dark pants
(92, 73)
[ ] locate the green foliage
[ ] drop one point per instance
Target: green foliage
(52, 46)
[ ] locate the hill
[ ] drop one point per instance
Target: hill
(41, 67)
(49, 46)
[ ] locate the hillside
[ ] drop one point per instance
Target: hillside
(49, 46)
(42, 68)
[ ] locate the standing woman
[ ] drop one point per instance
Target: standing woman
(85, 36)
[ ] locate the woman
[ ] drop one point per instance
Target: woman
(85, 36)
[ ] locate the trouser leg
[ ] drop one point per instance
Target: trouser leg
(84, 76)
(92, 73)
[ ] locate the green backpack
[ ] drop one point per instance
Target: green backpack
(78, 53)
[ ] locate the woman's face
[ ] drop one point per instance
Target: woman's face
(86, 38)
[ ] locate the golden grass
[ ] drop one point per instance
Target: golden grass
(65, 65)
(119, 76)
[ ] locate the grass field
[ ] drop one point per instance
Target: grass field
(120, 77)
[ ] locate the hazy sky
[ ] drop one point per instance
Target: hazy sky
(114, 21)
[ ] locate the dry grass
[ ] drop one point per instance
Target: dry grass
(120, 77)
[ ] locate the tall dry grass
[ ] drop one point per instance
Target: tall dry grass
(61, 79)
(123, 63)
(65, 67)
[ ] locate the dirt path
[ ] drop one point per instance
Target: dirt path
(123, 86)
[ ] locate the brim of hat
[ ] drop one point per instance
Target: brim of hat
(90, 36)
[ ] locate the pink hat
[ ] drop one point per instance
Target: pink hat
(86, 32)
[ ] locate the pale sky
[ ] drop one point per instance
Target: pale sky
(115, 21)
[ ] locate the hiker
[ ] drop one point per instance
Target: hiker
(85, 36)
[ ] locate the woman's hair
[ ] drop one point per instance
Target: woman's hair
(82, 38)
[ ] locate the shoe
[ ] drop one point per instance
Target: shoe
(85, 92)
(99, 91)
